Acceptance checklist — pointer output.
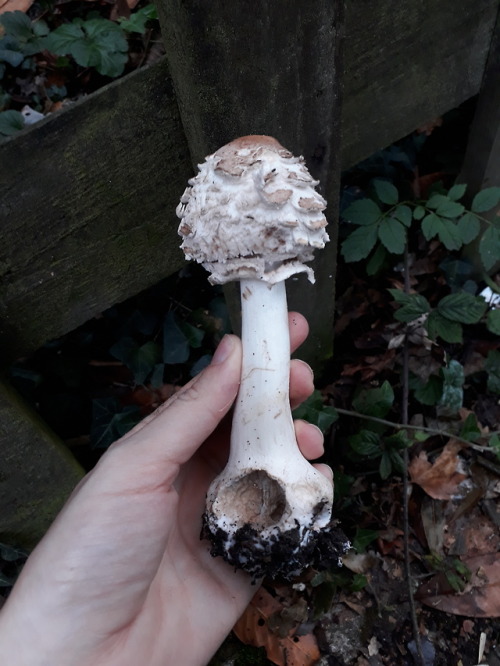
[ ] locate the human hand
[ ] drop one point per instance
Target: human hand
(122, 577)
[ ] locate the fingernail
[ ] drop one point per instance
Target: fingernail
(307, 366)
(223, 350)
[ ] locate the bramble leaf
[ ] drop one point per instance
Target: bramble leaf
(437, 325)
(375, 402)
(393, 235)
(462, 307)
(419, 213)
(363, 212)
(489, 247)
(486, 199)
(430, 226)
(403, 214)
(413, 305)
(457, 192)
(493, 322)
(359, 243)
(492, 367)
(385, 191)
(468, 227)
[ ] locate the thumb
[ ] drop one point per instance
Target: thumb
(176, 429)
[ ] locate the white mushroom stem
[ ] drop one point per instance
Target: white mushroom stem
(267, 485)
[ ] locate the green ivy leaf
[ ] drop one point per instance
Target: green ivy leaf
(175, 343)
(375, 402)
(193, 334)
(430, 393)
(359, 243)
(143, 360)
(492, 367)
(489, 247)
(11, 122)
(439, 326)
(462, 307)
(386, 192)
(493, 322)
(452, 398)
(413, 305)
(314, 410)
(457, 192)
(486, 199)
(468, 227)
(363, 212)
(403, 214)
(392, 234)
(470, 429)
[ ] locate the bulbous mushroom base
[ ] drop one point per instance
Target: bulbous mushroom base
(269, 527)
(284, 555)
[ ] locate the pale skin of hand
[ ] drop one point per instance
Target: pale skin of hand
(122, 578)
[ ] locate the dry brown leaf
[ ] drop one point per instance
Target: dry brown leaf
(440, 479)
(252, 629)
(15, 5)
(482, 596)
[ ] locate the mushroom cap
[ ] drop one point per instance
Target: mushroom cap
(252, 212)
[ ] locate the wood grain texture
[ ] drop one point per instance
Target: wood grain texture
(37, 474)
(259, 67)
(407, 63)
(87, 201)
(87, 209)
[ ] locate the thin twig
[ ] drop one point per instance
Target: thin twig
(408, 426)
(406, 484)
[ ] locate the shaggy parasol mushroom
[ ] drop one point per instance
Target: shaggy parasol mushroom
(252, 214)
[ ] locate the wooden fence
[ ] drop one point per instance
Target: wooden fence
(88, 195)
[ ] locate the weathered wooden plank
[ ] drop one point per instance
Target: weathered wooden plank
(87, 209)
(37, 473)
(407, 63)
(97, 217)
(481, 167)
(255, 67)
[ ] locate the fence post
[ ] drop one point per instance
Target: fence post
(259, 67)
(481, 167)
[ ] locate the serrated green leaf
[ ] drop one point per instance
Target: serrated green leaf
(486, 199)
(366, 443)
(363, 538)
(430, 393)
(413, 305)
(359, 243)
(392, 234)
(430, 226)
(363, 212)
(489, 247)
(449, 234)
(377, 260)
(457, 192)
(436, 200)
(61, 40)
(492, 367)
(17, 24)
(314, 410)
(462, 307)
(11, 122)
(386, 192)
(375, 402)
(137, 21)
(493, 322)
(419, 213)
(439, 326)
(469, 227)
(449, 209)
(404, 214)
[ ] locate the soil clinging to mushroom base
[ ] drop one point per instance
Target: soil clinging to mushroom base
(282, 555)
